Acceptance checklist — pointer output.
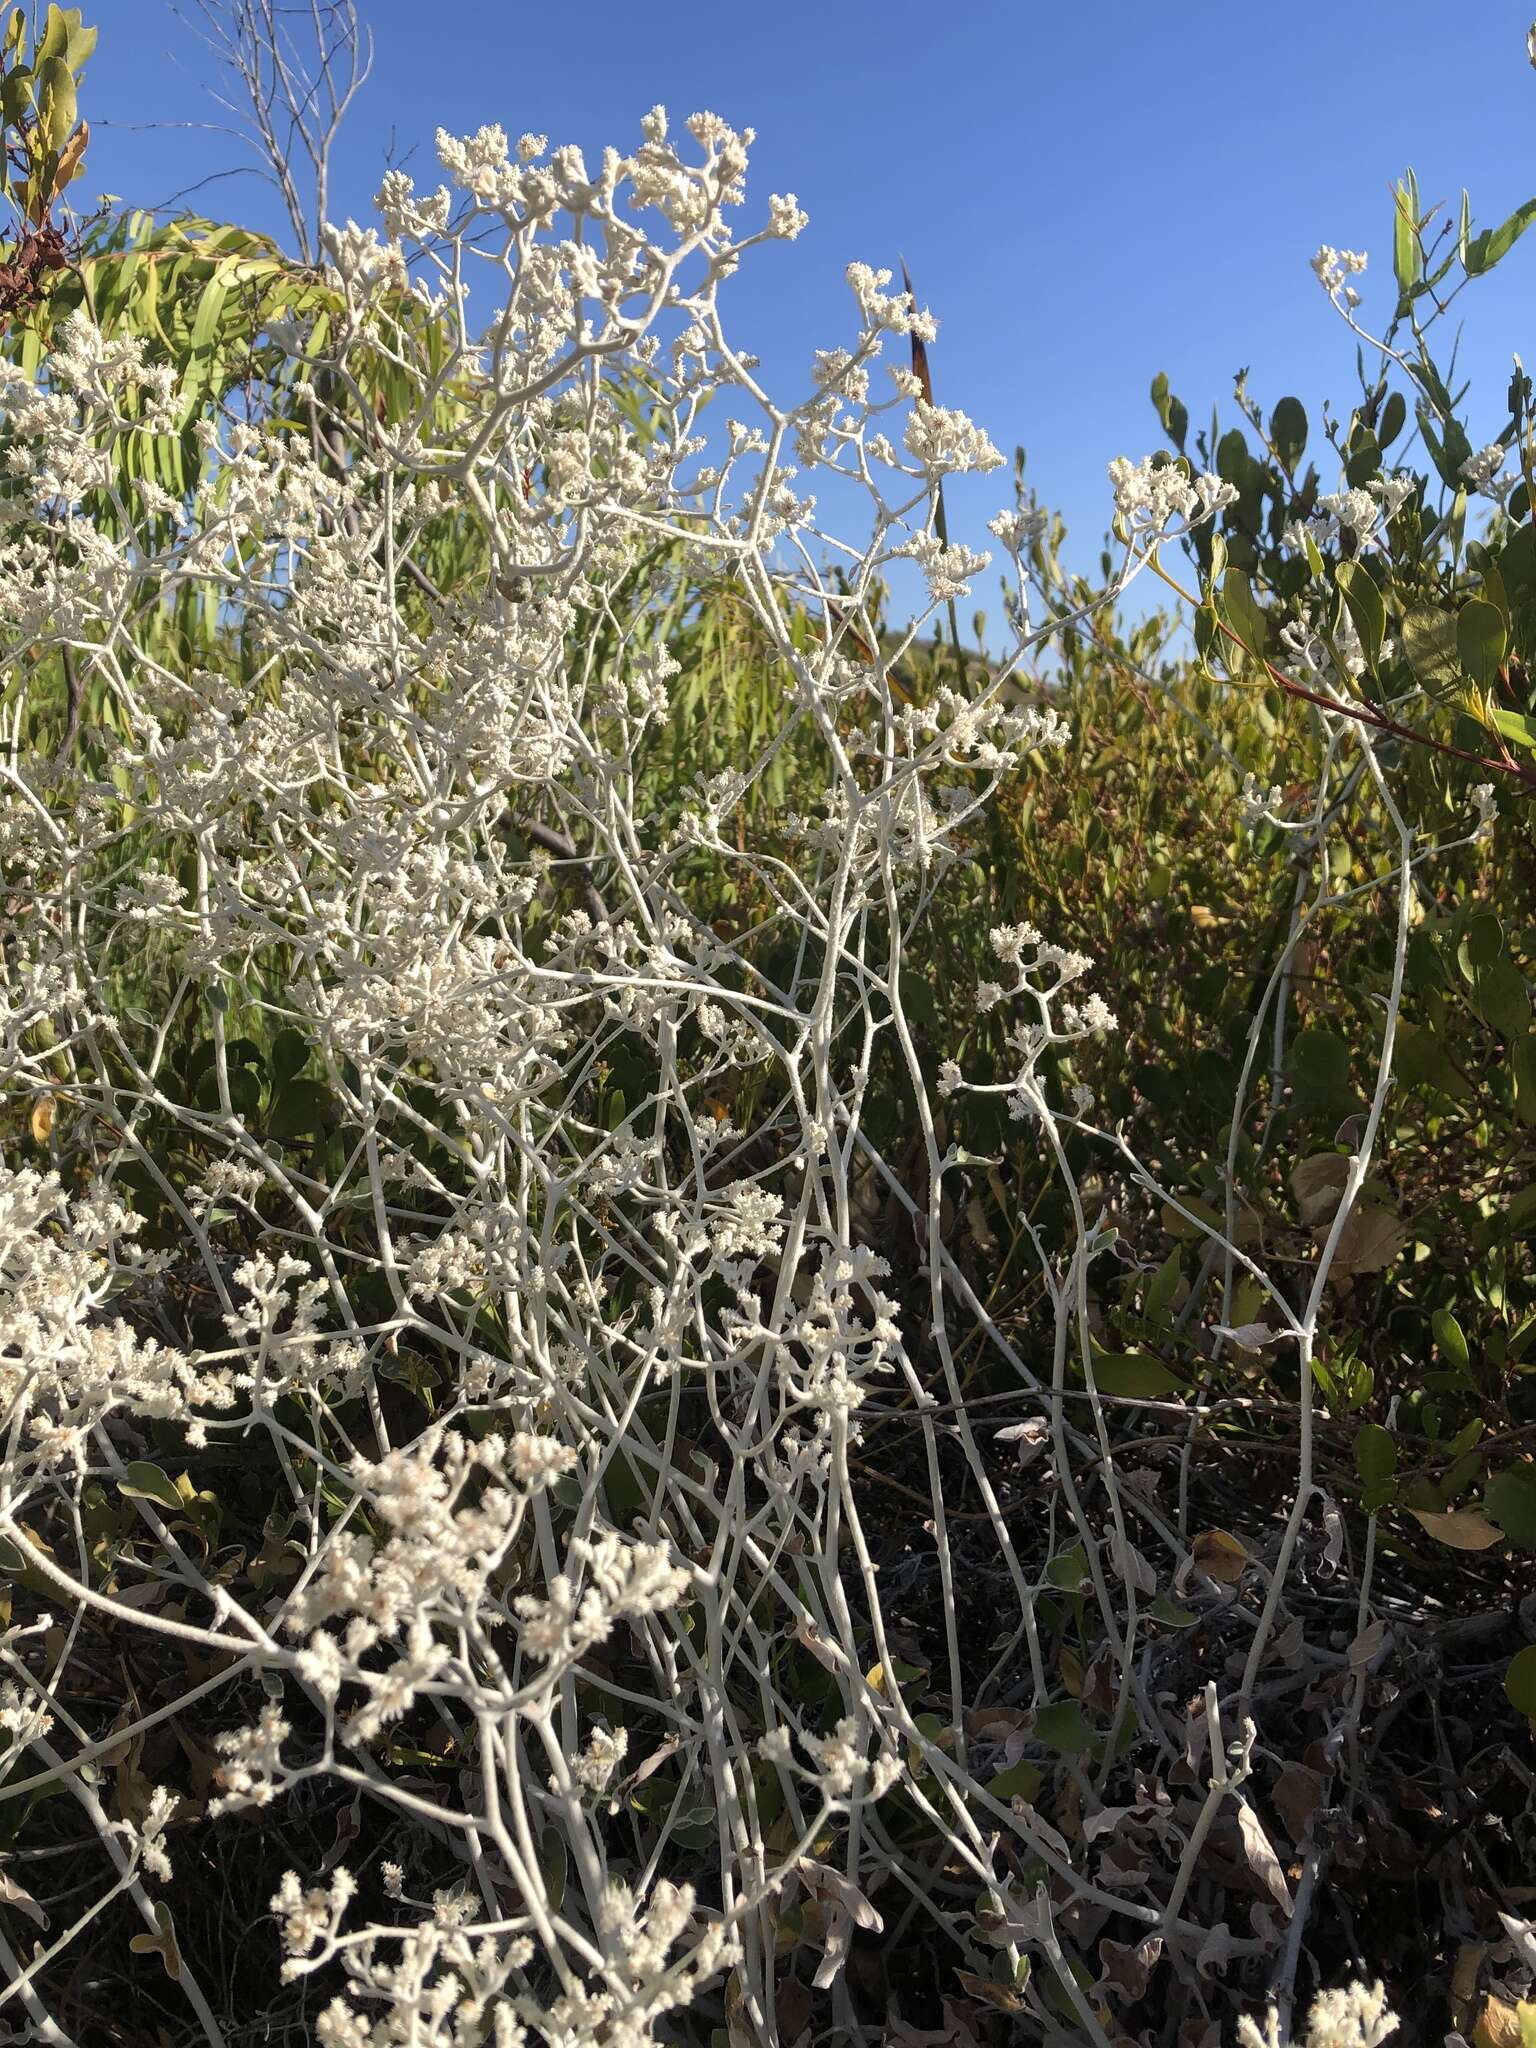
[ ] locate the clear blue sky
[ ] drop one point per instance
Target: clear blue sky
(1086, 193)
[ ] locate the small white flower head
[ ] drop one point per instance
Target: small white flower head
(1258, 806)
(1480, 472)
(1354, 511)
(1392, 493)
(1334, 268)
(606, 1749)
(786, 217)
(1355, 2017)
(1151, 496)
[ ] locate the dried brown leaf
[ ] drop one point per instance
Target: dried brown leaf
(1126, 1970)
(1501, 2025)
(1220, 1556)
(792, 2003)
(1464, 1530)
(1297, 1795)
(1370, 1240)
(1259, 1853)
(1317, 1183)
(21, 1900)
(1003, 1996)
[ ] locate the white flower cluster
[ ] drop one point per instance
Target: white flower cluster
(1151, 495)
(1356, 2016)
(1041, 973)
(1334, 268)
(1481, 472)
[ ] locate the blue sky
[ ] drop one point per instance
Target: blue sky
(1085, 194)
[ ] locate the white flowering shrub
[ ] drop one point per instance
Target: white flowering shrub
(374, 1125)
(459, 1290)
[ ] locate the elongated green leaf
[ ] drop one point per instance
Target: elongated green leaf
(56, 101)
(1516, 726)
(1244, 615)
(1133, 1375)
(1407, 259)
(1375, 1453)
(1288, 431)
(1480, 641)
(1522, 1060)
(144, 1481)
(1451, 1339)
(1366, 607)
(1520, 1681)
(1484, 250)
(1172, 414)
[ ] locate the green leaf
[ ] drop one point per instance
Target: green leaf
(1170, 1613)
(1449, 454)
(82, 41)
(1484, 250)
(302, 1109)
(202, 373)
(1514, 725)
(1172, 414)
(1364, 459)
(54, 41)
(1375, 1453)
(1318, 1064)
(244, 1091)
(1480, 640)
(289, 1055)
(1407, 258)
(553, 1867)
(1482, 943)
(1522, 1060)
(1163, 1285)
(143, 1481)
(1517, 563)
(1423, 1062)
(1133, 1375)
(1520, 1681)
(1243, 614)
(1019, 1781)
(1429, 641)
(1510, 1500)
(1451, 1339)
(1064, 1727)
(1288, 431)
(1394, 415)
(1366, 608)
(56, 101)
(1068, 1570)
(1500, 998)
(1232, 457)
